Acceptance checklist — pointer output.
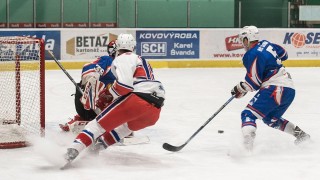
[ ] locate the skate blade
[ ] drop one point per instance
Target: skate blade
(66, 166)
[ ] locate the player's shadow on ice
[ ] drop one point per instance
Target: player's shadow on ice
(111, 160)
(131, 159)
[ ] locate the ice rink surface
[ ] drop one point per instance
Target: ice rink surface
(193, 95)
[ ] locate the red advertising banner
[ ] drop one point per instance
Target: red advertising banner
(48, 25)
(21, 25)
(3, 25)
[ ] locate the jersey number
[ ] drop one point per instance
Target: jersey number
(274, 54)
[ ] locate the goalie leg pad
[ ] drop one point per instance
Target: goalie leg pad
(91, 93)
(86, 115)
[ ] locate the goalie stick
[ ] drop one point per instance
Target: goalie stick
(172, 148)
(65, 71)
(97, 111)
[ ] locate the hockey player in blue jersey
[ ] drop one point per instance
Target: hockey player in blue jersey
(274, 86)
(96, 72)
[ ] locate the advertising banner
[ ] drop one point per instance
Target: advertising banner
(203, 44)
(220, 44)
(301, 43)
(172, 44)
(51, 39)
(223, 44)
(87, 44)
(156, 44)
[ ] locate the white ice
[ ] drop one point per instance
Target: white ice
(193, 95)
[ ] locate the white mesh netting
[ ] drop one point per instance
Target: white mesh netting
(21, 90)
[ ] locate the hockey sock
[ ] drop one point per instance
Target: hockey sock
(88, 135)
(289, 128)
(83, 140)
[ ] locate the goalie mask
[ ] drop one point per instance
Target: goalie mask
(112, 49)
(126, 42)
(249, 33)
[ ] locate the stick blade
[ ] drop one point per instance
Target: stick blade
(169, 147)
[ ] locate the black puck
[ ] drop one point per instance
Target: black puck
(220, 131)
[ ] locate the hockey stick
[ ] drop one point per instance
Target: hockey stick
(65, 71)
(172, 148)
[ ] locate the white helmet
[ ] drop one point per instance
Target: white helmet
(250, 33)
(125, 41)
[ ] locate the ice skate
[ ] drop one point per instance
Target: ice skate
(97, 147)
(69, 157)
(300, 135)
(71, 154)
(131, 135)
(248, 141)
(249, 134)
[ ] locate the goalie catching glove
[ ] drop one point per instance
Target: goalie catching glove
(240, 90)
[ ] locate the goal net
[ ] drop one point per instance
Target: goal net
(22, 93)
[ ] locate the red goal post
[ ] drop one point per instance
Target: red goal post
(22, 90)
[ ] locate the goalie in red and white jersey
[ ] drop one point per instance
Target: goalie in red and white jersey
(94, 77)
(137, 98)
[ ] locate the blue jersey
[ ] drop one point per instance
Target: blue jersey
(266, 73)
(263, 63)
(99, 68)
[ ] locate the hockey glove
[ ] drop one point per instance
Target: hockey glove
(239, 90)
(104, 97)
